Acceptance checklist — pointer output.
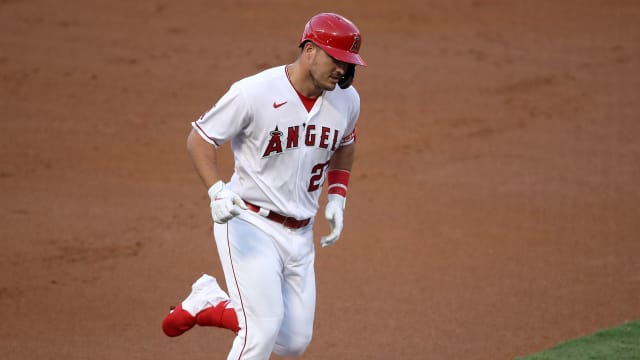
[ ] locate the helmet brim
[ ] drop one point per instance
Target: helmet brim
(344, 56)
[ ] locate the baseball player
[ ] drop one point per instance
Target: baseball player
(291, 128)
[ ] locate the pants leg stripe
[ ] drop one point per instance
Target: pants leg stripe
(246, 330)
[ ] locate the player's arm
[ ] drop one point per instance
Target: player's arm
(338, 175)
(224, 203)
(203, 156)
(342, 158)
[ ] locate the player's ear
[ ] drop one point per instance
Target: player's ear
(308, 48)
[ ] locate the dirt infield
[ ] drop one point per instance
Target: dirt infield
(493, 211)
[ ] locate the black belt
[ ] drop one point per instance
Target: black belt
(286, 221)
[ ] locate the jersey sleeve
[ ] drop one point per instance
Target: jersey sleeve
(226, 119)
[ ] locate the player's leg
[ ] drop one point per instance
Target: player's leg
(299, 295)
(252, 269)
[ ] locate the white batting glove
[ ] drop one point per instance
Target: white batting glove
(225, 204)
(334, 212)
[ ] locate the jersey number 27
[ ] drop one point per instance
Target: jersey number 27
(316, 176)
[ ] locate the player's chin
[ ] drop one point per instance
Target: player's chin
(331, 84)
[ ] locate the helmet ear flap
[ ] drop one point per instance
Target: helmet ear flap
(347, 79)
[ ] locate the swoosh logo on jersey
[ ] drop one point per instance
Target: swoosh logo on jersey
(275, 105)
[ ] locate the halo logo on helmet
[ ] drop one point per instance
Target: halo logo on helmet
(356, 44)
(336, 35)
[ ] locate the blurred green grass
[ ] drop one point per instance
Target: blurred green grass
(618, 343)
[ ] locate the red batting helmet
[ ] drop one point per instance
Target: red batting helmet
(336, 35)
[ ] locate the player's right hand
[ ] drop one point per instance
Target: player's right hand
(225, 204)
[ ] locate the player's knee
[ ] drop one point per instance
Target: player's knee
(291, 350)
(293, 346)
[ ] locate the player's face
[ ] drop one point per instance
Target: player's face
(325, 71)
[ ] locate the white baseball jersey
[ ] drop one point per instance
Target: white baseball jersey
(281, 150)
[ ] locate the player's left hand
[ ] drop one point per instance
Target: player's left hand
(334, 212)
